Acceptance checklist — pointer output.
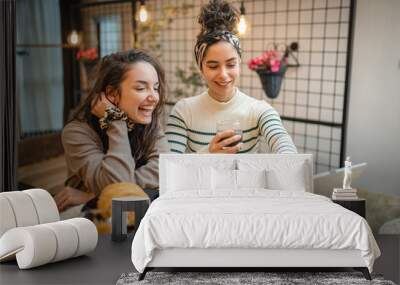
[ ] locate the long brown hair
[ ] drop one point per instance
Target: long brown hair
(110, 72)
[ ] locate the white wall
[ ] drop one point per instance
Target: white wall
(373, 133)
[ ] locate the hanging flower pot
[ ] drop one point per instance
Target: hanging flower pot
(90, 67)
(271, 81)
(271, 66)
(87, 62)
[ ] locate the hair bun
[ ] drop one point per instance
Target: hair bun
(218, 15)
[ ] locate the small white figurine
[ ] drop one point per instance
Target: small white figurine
(347, 174)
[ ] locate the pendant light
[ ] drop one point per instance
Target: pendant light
(242, 25)
(143, 14)
(73, 38)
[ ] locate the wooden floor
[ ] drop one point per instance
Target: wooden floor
(49, 174)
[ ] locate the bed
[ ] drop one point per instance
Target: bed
(246, 211)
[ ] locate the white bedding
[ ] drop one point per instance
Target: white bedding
(251, 218)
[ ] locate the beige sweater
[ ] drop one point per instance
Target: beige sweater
(192, 124)
(91, 170)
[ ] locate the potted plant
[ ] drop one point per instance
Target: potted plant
(270, 67)
(87, 61)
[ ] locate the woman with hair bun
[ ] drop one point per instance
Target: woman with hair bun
(192, 122)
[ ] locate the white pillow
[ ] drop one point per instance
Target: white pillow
(223, 179)
(186, 177)
(283, 173)
(226, 179)
(251, 178)
(294, 180)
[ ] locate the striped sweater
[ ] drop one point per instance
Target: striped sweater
(192, 124)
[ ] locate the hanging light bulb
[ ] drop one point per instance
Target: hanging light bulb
(73, 38)
(242, 25)
(143, 14)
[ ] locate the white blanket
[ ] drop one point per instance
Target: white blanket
(252, 218)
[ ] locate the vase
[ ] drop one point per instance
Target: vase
(271, 81)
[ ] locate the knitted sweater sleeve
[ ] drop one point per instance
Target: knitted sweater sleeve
(270, 126)
(85, 157)
(86, 160)
(176, 131)
(147, 175)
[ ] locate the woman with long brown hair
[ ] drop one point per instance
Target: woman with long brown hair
(114, 136)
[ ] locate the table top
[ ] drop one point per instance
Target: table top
(131, 198)
(104, 265)
(349, 200)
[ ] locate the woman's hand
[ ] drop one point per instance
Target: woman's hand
(220, 143)
(69, 197)
(100, 104)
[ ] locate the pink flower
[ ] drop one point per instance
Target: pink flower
(270, 60)
(274, 53)
(78, 55)
(276, 66)
(258, 61)
(265, 56)
(88, 55)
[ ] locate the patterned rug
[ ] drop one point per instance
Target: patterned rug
(269, 278)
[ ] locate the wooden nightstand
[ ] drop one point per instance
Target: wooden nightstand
(357, 206)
